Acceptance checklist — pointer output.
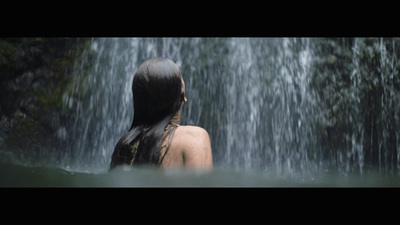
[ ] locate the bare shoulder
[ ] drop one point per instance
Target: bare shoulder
(192, 132)
(192, 137)
(195, 143)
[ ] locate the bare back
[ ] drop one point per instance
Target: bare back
(190, 147)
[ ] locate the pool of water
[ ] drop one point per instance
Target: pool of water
(12, 175)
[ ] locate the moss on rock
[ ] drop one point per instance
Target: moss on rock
(34, 75)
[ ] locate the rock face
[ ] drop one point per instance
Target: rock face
(34, 74)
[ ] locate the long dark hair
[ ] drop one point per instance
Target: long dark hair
(158, 94)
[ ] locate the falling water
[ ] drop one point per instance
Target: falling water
(251, 95)
(269, 123)
(101, 101)
(256, 97)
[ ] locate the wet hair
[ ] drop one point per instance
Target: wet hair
(158, 94)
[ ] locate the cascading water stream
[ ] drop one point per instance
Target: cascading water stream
(258, 101)
(102, 103)
(262, 100)
(268, 124)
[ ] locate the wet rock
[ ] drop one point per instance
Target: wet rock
(34, 74)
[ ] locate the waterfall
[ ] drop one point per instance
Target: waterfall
(102, 102)
(272, 104)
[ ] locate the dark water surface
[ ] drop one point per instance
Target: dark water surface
(12, 175)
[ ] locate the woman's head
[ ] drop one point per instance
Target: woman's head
(158, 91)
(158, 94)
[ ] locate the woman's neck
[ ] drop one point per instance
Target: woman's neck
(176, 119)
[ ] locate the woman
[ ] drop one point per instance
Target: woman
(155, 137)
